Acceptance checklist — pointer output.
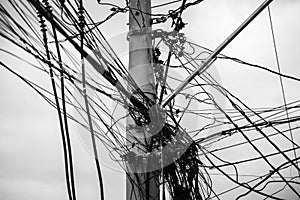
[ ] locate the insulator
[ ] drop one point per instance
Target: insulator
(81, 17)
(42, 22)
(47, 6)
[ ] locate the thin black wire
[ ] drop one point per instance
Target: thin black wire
(165, 4)
(222, 56)
(239, 100)
(280, 78)
(277, 119)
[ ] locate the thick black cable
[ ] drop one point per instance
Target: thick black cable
(106, 74)
(95, 151)
(67, 135)
(65, 150)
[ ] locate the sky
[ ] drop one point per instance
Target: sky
(30, 145)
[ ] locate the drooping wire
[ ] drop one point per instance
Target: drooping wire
(90, 123)
(275, 145)
(273, 117)
(68, 140)
(70, 184)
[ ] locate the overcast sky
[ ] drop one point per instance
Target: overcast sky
(30, 145)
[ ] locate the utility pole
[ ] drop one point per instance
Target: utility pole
(145, 182)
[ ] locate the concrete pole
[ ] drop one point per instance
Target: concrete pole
(146, 186)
